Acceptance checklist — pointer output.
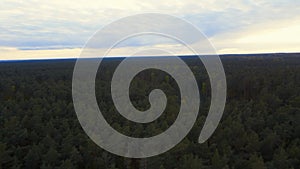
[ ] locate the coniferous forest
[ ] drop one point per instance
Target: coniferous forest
(259, 128)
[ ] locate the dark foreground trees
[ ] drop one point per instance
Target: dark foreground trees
(259, 129)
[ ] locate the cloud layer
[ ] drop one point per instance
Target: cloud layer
(233, 26)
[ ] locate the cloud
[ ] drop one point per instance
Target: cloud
(275, 36)
(34, 24)
(9, 53)
(17, 54)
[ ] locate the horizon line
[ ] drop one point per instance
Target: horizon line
(145, 56)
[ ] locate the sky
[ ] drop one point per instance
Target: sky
(34, 29)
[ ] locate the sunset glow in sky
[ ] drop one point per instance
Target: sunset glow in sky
(35, 29)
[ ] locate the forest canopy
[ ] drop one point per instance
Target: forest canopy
(259, 129)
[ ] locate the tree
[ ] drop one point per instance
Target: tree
(32, 159)
(67, 164)
(280, 159)
(218, 161)
(190, 161)
(4, 156)
(76, 157)
(257, 162)
(51, 157)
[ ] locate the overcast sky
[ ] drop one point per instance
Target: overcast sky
(58, 29)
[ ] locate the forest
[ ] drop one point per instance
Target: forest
(259, 129)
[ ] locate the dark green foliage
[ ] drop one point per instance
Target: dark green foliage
(259, 129)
